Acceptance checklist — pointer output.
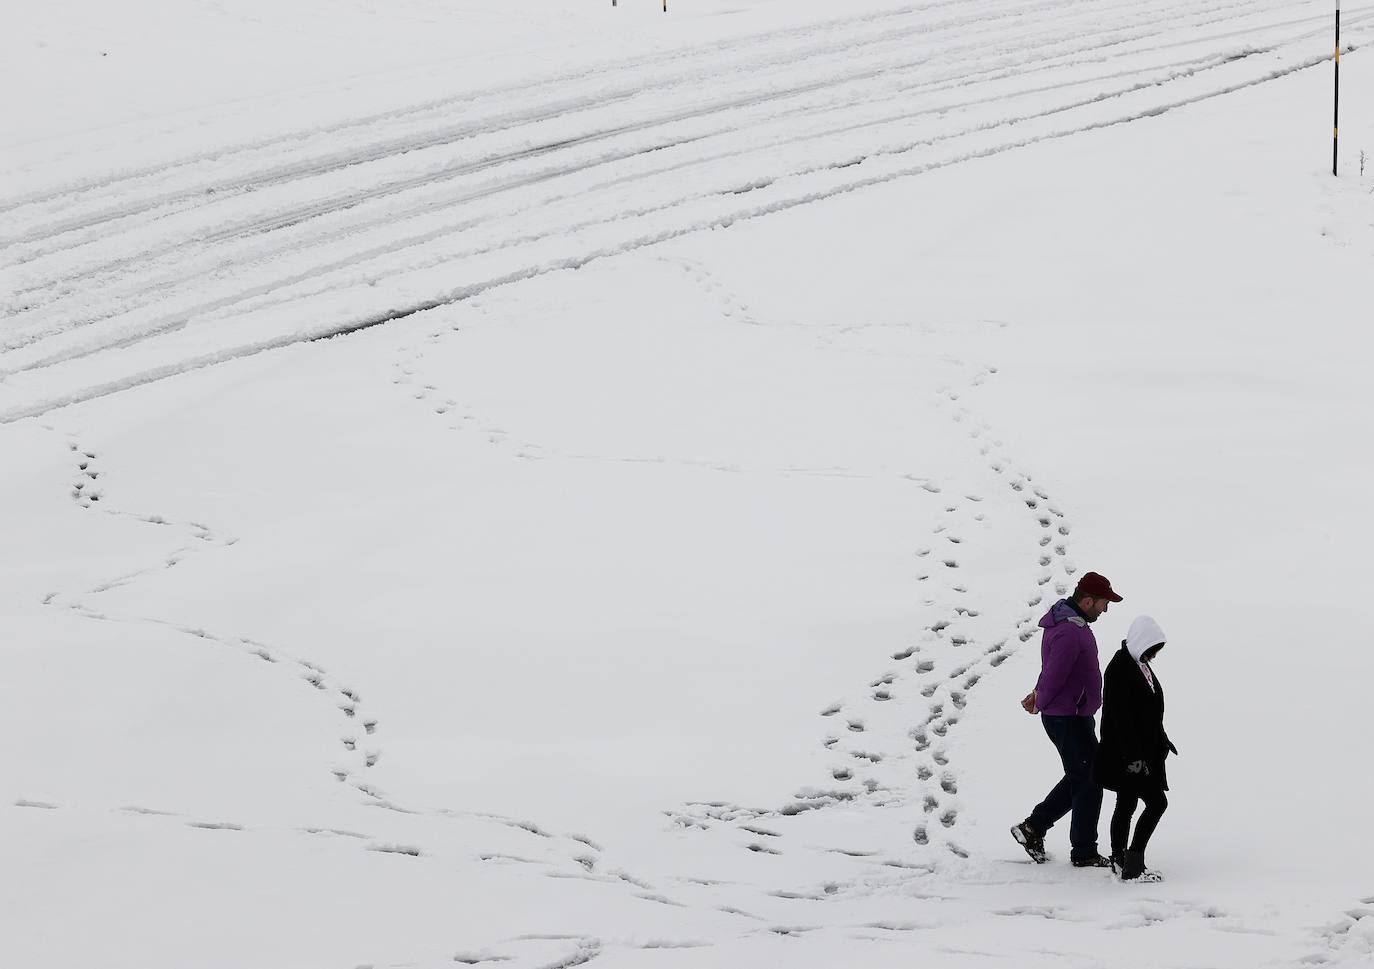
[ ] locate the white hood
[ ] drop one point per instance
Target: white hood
(1143, 634)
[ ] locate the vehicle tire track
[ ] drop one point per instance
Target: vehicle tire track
(256, 253)
(442, 106)
(120, 301)
(829, 80)
(793, 199)
(761, 60)
(161, 325)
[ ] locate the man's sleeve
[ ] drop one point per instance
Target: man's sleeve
(1093, 701)
(1059, 659)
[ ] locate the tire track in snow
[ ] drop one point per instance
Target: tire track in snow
(215, 262)
(428, 139)
(276, 221)
(163, 325)
(196, 275)
(649, 237)
(442, 106)
(352, 199)
(830, 81)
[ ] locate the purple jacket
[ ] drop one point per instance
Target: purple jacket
(1070, 683)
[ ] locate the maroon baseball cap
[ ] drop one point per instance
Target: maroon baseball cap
(1096, 586)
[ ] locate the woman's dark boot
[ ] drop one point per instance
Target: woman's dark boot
(1133, 869)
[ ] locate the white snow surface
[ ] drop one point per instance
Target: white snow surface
(553, 484)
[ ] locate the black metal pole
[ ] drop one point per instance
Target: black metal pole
(1336, 119)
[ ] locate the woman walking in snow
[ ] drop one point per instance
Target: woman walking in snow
(1130, 759)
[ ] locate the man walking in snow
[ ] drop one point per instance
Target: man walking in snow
(1067, 696)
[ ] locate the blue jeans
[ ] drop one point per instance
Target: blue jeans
(1076, 740)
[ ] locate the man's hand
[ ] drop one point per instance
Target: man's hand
(1028, 702)
(1172, 749)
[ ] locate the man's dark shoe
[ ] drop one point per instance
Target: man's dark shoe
(1034, 843)
(1092, 861)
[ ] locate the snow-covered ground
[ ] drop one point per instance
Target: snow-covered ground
(562, 485)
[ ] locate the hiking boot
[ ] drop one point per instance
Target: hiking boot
(1033, 842)
(1092, 861)
(1117, 858)
(1133, 869)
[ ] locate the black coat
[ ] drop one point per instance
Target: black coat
(1132, 729)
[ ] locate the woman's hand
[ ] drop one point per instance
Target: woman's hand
(1028, 702)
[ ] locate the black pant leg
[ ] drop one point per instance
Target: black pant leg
(1121, 821)
(1059, 801)
(1087, 795)
(1156, 803)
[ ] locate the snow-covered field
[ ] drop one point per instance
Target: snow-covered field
(577, 484)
